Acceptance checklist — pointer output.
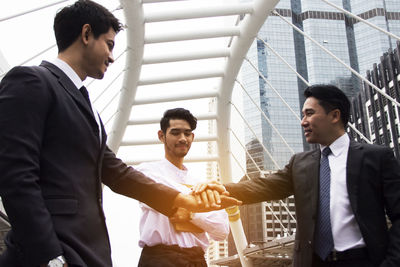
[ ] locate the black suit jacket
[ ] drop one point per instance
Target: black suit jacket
(373, 184)
(51, 169)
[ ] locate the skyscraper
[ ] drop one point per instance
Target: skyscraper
(355, 43)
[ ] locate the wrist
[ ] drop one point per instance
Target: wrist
(181, 201)
(177, 201)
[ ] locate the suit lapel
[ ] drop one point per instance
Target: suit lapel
(103, 136)
(353, 167)
(71, 89)
(313, 173)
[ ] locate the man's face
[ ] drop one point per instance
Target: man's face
(177, 139)
(99, 54)
(317, 124)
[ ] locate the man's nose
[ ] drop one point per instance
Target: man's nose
(303, 122)
(182, 138)
(111, 58)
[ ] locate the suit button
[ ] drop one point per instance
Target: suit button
(309, 242)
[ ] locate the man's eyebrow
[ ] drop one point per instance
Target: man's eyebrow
(181, 129)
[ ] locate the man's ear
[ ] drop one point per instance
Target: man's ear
(85, 33)
(336, 115)
(161, 135)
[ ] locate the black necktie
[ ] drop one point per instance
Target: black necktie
(323, 233)
(85, 94)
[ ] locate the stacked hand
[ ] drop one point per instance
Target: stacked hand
(206, 197)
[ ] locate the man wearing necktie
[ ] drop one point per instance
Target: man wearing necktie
(53, 152)
(343, 191)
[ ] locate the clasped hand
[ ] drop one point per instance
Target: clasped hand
(207, 197)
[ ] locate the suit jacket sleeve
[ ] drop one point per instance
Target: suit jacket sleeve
(24, 105)
(275, 186)
(132, 183)
(390, 173)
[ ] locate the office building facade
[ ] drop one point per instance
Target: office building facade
(372, 113)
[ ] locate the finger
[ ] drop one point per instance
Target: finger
(211, 198)
(196, 188)
(217, 197)
(219, 187)
(229, 201)
(205, 199)
(198, 199)
(200, 188)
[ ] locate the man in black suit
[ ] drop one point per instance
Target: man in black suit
(342, 191)
(53, 152)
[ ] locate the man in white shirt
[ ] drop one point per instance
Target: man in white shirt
(343, 191)
(179, 240)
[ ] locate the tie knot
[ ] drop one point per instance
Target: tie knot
(326, 151)
(84, 91)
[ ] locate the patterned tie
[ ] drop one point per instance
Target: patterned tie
(323, 233)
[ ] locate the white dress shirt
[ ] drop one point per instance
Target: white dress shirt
(345, 230)
(155, 228)
(73, 76)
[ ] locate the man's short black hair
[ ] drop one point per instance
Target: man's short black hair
(330, 97)
(177, 114)
(69, 21)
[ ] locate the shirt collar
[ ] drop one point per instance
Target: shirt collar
(167, 162)
(339, 145)
(61, 64)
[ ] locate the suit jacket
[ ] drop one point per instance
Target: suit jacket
(52, 166)
(373, 184)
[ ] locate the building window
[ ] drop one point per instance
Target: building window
(372, 127)
(370, 111)
(379, 123)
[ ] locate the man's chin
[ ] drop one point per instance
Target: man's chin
(98, 76)
(310, 140)
(182, 154)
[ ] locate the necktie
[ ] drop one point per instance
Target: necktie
(85, 94)
(323, 233)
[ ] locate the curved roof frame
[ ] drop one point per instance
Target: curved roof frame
(242, 34)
